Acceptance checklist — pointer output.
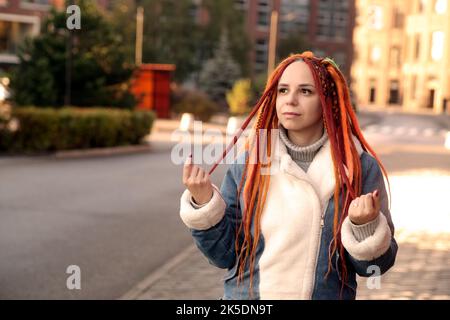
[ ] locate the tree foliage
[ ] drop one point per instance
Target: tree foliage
(99, 70)
(220, 72)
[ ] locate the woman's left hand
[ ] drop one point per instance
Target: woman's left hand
(365, 208)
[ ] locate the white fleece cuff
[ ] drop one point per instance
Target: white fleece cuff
(370, 248)
(204, 217)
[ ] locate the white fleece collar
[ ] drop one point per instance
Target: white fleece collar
(320, 173)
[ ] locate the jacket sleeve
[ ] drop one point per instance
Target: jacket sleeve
(213, 226)
(378, 251)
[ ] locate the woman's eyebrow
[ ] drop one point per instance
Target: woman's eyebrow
(300, 85)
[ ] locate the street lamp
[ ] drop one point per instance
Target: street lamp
(139, 35)
(272, 39)
(68, 87)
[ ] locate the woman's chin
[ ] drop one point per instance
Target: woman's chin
(292, 126)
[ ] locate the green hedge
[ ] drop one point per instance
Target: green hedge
(46, 129)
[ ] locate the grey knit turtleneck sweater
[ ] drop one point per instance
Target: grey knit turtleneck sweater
(302, 156)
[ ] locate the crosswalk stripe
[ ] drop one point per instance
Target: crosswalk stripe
(385, 129)
(413, 131)
(402, 130)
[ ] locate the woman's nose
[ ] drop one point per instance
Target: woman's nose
(292, 99)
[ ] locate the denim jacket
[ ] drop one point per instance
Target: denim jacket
(291, 259)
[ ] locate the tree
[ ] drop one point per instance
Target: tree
(123, 18)
(99, 70)
(239, 98)
(223, 15)
(220, 72)
(294, 42)
(171, 35)
(183, 32)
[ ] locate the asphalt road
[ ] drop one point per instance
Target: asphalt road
(115, 217)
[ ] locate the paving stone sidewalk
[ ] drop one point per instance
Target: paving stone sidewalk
(422, 271)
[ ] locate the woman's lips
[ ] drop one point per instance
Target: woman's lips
(291, 114)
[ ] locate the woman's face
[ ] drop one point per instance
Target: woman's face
(298, 104)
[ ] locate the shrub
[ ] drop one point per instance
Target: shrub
(47, 129)
(196, 103)
(239, 97)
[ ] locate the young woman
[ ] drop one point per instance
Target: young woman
(304, 230)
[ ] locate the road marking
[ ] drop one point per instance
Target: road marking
(413, 131)
(400, 130)
(142, 286)
(447, 140)
(428, 132)
(385, 129)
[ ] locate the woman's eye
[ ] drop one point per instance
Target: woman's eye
(306, 91)
(282, 90)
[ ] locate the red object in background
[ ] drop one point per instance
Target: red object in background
(151, 86)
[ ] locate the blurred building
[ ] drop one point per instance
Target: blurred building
(327, 26)
(20, 19)
(402, 54)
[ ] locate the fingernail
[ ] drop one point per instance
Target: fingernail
(376, 193)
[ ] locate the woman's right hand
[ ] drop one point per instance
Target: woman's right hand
(197, 181)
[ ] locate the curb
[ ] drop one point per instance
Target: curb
(145, 284)
(95, 152)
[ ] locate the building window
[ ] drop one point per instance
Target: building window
(241, 4)
(261, 55)
(394, 94)
(440, 6)
(416, 46)
(431, 96)
(421, 6)
(263, 13)
(332, 19)
(375, 17)
(294, 16)
(397, 20)
(44, 2)
(373, 90)
(12, 34)
(375, 54)
(437, 45)
(5, 31)
(394, 60)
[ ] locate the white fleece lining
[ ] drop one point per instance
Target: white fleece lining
(205, 217)
(371, 247)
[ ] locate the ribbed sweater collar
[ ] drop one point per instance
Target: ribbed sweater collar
(299, 153)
